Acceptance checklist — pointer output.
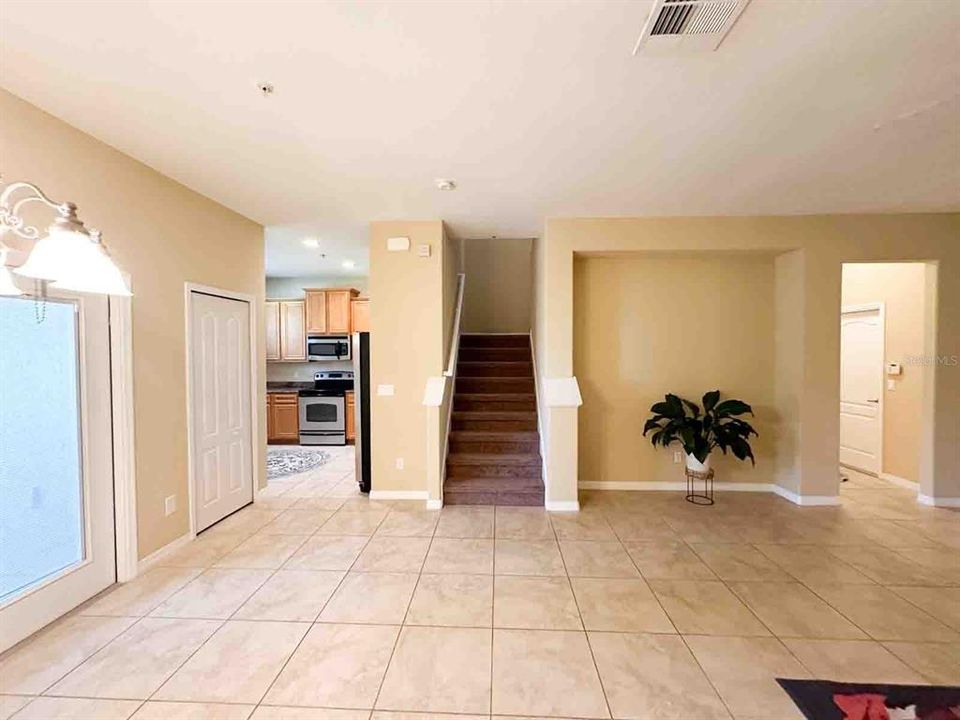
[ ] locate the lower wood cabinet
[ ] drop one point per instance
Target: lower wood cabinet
(283, 417)
(350, 416)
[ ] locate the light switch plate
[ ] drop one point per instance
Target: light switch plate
(423, 250)
(385, 390)
(891, 384)
(399, 463)
(170, 505)
(398, 244)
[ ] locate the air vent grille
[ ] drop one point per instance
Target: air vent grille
(684, 18)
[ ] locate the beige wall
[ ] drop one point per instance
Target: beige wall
(406, 345)
(807, 304)
(499, 287)
(645, 325)
(901, 288)
(163, 235)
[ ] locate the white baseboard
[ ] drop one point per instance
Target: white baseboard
(562, 505)
(953, 502)
(155, 557)
(671, 486)
(806, 500)
(434, 504)
(398, 495)
(897, 480)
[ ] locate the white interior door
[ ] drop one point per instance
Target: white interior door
(861, 389)
(220, 405)
(57, 545)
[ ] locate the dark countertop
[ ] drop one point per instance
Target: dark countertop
(287, 387)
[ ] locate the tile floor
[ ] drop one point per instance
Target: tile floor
(319, 604)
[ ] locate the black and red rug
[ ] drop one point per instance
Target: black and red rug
(824, 700)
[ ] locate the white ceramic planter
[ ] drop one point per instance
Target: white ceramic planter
(696, 465)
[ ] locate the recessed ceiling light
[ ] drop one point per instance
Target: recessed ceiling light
(311, 242)
(445, 184)
(348, 264)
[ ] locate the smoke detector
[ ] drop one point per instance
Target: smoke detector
(689, 24)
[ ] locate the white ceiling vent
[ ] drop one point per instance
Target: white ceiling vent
(689, 24)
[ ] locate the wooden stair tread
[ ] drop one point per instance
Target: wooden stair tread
(505, 435)
(490, 459)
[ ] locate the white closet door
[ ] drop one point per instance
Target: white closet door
(861, 389)
(57, 546)
(220, 405)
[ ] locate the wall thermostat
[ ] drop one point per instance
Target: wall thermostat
(894, 369)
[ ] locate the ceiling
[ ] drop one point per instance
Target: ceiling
(536, 109)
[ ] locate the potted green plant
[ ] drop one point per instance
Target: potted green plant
(699, 431)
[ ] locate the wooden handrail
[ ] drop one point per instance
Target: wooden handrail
(455, 338)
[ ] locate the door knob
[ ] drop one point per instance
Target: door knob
(874, 401)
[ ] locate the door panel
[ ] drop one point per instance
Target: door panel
(861, 389)
(271, 316)
(338, 311)
(293, 340)
(57, 545)
(316, 310)
(220, 390)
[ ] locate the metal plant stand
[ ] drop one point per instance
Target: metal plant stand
(693, 479)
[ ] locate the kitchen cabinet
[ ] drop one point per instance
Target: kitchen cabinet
(286, 330)
(328, 310)
(360, 315)
(350, 416)
(283, 417)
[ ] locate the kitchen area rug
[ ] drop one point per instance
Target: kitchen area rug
(283, 461)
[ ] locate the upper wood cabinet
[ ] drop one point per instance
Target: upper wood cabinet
(286, 330)
(328, 310)
(360, 315)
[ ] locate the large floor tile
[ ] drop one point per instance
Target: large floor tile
(160, 710)
(439, 670)
(291, 595)
(811, 564)
(399, 715)
(654, 676)
(939, 663)
(336, 666)
(460, 555)
(353, 522)
(32, 666)
(539, 603)
(137, 663)
(262, 551)
(789, 609)
(941, 603)
(545, 673)
(466, 522)
(203, 551)
(52, 708)
(296, 521)
(522, 524)
(620, 604)
(668, 560)
(854, 661)
(745, 670)
(528, 557)
(393, 554)
(140, 596)
(371, 598)
(640, 527)
(327, 552)
(409, 523)
(591, 558)
(9, 704)
(706, 608)
(887, 567)
(237, 664)
(583, 525)
(461, 600)
(216, 594)
(274, 712)
(884, 615)
(739, 562)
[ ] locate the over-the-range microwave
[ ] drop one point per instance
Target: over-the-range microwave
(328, 347)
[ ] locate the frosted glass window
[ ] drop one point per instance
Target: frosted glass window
(41, 484)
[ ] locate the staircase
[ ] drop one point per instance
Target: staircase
(494, 454)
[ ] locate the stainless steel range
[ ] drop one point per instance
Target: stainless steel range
(323, 409)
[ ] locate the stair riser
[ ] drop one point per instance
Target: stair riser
(505, 499)
(495, 341)
(520, 369)
(495, 425)
(495, 385)
(493, 470)
(504, 405)
(482, 484)
(469, 354)
(509, 447)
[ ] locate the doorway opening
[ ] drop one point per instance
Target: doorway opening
(887, 330)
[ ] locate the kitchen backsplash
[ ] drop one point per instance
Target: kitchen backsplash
(301, 372)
